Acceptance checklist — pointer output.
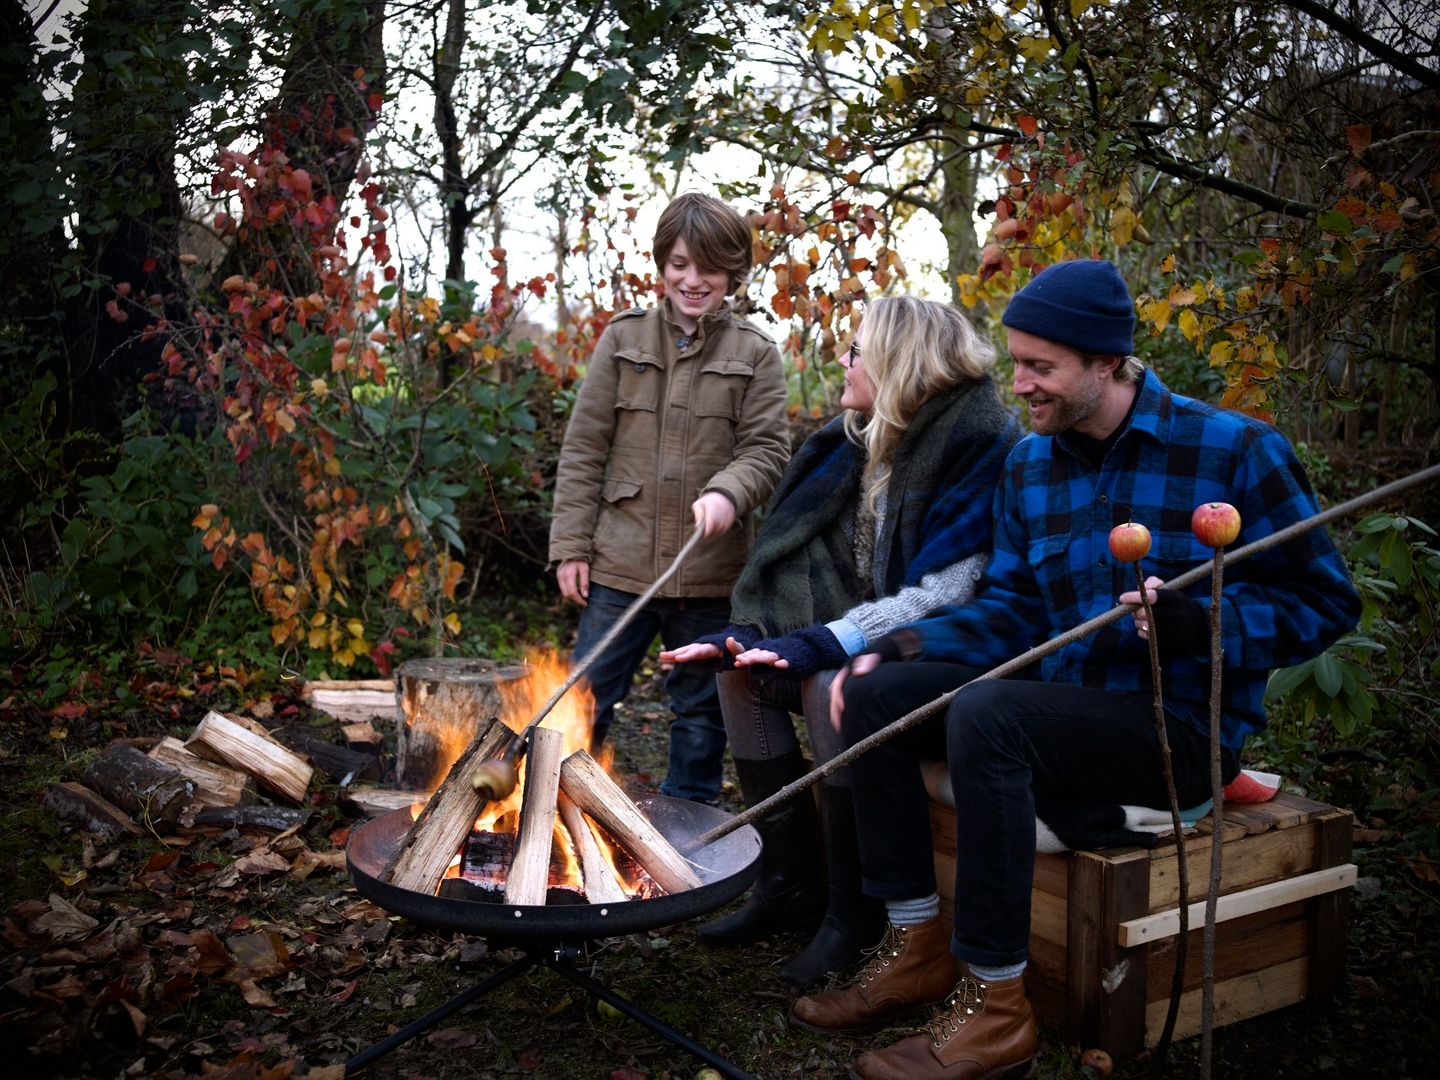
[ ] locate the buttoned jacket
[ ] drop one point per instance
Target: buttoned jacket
(659, 420)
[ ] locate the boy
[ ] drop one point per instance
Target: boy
(682, 406)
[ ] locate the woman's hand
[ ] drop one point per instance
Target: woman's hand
(761, 658)
(1152, 584)
(714, 513)
(573, 576)
(700, 650)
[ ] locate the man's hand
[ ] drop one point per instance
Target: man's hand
(573, 576)
(862, 665)
(1182, 625)
(714, 513)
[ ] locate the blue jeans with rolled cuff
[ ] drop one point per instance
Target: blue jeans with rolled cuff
(697, 732)
(1008, 742)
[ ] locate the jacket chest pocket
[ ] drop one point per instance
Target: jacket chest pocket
(721, 389)
(638, 376)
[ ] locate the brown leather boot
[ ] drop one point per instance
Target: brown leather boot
(911, 967)
(984, 1032)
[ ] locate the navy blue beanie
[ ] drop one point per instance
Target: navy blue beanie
(1082, 303)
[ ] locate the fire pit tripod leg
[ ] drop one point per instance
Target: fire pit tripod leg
(430, 1019)
(560, 963)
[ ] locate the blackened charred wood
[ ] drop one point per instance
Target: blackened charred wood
(278, 818)
(90, 810)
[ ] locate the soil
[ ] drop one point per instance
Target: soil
(238, 954)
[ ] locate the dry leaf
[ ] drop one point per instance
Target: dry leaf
(64, 921)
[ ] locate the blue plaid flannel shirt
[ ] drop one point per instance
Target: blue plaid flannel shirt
(1052, 569)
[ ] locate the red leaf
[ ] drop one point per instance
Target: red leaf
(148, 266)
(1358, 136)
(1028, 125)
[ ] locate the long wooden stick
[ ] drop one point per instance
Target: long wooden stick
(1190, 577)
(583, 667)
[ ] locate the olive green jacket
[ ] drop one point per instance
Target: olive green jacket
(656, 425)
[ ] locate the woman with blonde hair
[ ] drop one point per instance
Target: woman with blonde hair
(882, 515)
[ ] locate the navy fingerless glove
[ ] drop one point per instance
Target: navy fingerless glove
(896, 645)
(745, 635)
(807, 650)
(1182, 624)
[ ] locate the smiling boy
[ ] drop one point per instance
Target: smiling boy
(680, 423)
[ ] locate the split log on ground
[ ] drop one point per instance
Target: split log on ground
(157, 794)
(90, 810)
(444, 702)
(242, 744)
(530, 871)
(433, 839)
(278, 818)
(215, 784)
(373, 801)
(362, 737)
(335, 761)
(351, 700)
(586, 783)
(600, 884)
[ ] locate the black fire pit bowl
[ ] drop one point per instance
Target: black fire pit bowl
(725, 867)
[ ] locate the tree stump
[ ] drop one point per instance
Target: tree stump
(444, 704)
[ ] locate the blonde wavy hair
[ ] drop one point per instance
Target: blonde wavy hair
(913, 350)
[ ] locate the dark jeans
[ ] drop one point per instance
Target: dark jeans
(1008, 743)
(697, 734)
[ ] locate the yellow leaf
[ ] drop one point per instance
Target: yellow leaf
(318, 619)
(1156, 313)
(1077, 8)
(1181, 296)
(1408, 268)
(319, 387)
(912, 16)
(896, 85)
(1167, 264)
(1122, 225)
(452, 623)
(1034, 48)
(332, 466)
(1189, 324)
(356, 628)
(318, 639)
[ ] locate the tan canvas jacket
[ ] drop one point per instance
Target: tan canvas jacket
(656, 425)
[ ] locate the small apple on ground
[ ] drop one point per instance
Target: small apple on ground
(1215, 524)
(1130, 542)
(1097, 1062)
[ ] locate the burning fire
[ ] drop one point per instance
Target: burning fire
(573, 717)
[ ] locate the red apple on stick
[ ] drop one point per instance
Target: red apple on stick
(1129, 542)
(1215, 524)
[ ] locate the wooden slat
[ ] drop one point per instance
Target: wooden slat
(1165, 924)
(1330, 915)
(1249, 861)
(1049, 916)
(1242, 946)
(1106, 983)
(1235, 999)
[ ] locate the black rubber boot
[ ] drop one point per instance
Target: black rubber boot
(789, 893)
(853, 922)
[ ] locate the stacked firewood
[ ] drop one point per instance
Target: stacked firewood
(230, 771)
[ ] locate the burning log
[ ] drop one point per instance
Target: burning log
(245, 745)
(600, 884)
(215, 785)
(586, 783)
(141, 785)
(432, 840)
(530, 872)
(439, 697)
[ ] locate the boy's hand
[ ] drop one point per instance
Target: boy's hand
(714, 513)
(573, 576)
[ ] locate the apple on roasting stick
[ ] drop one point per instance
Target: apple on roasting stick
(1130, 543)
(1215, 524)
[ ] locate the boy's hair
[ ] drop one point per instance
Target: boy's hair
(913, 350)
(715, 234)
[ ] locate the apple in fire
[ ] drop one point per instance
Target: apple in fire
(1129, 542)
(1215, 524)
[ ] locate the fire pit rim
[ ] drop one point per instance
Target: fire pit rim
(372, 842)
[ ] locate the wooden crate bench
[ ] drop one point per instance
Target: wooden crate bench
(1104, 924)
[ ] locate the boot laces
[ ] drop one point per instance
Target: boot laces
(881, 956)
(966, 1003)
